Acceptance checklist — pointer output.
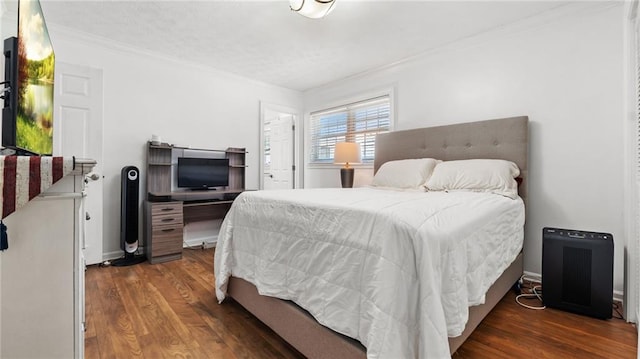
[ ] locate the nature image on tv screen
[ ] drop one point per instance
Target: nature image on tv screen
(34, 122)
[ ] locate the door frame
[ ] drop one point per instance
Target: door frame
(631, 176)
(298, 175)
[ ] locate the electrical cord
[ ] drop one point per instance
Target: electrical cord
(616, 307)
(535, 293)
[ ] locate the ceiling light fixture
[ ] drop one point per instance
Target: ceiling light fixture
(314, 9)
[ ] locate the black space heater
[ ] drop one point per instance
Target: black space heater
(577, 271)
(129, 193)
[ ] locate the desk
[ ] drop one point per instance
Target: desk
(166, 213)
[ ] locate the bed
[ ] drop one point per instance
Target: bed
(369, 244)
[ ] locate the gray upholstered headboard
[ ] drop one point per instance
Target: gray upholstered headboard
(505, 138)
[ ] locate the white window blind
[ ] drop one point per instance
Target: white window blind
(356, 122)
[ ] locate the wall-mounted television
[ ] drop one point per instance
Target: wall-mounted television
(202, 173)
(27, 115)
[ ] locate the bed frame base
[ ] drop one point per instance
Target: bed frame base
(313, 340)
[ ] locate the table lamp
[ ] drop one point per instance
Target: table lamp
(346, 153)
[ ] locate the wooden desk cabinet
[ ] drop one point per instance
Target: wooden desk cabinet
(163, 231)
(168, 208)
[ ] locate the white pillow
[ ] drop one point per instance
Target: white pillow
(479, 175)
(411, 173)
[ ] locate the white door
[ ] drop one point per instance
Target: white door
(78, 132)
(278, 159)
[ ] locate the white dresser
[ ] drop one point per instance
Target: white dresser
(42, 275)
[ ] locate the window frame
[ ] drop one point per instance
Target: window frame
(344, 102)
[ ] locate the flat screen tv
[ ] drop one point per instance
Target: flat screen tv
(203, 173)
(27, 116)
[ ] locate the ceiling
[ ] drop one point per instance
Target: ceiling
(265, 41)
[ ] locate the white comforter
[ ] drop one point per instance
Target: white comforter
(394, 270)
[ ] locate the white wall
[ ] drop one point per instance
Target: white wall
(186, 104)
(145, 94)
(564, 72)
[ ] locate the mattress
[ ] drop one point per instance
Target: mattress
(395, 270)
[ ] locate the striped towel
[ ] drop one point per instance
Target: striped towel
(24, 177)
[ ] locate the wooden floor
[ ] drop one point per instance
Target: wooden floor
(169, 311)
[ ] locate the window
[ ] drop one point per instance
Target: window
(356, 122)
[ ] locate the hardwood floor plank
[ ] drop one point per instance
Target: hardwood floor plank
(141, 308)
(150, 347)
(91, 288)
(180, 296)
(132, 293)
(169, 310)
(114, 327)
(158, 316)
(549, 333)
(177, 339)
(91, 349)
(241, 331)
(483, 350)
(94, 336)
(95, 314)
(200, 267)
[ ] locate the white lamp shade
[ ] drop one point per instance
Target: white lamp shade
(313, 9)
(347, 152)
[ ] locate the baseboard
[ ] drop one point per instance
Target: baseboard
(533, 276)
(203, 242)
(107, 256)
(618, 296)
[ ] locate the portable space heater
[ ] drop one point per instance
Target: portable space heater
(577, 271)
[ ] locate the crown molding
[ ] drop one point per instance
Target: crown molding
(115, 46)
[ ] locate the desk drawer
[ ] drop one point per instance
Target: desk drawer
(163, 208)
(166, 219)
(166, 213)
(163, 231)
(166, 240)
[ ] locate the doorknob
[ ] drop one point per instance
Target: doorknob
(91, 176)
(87, 216)
(270, 175)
